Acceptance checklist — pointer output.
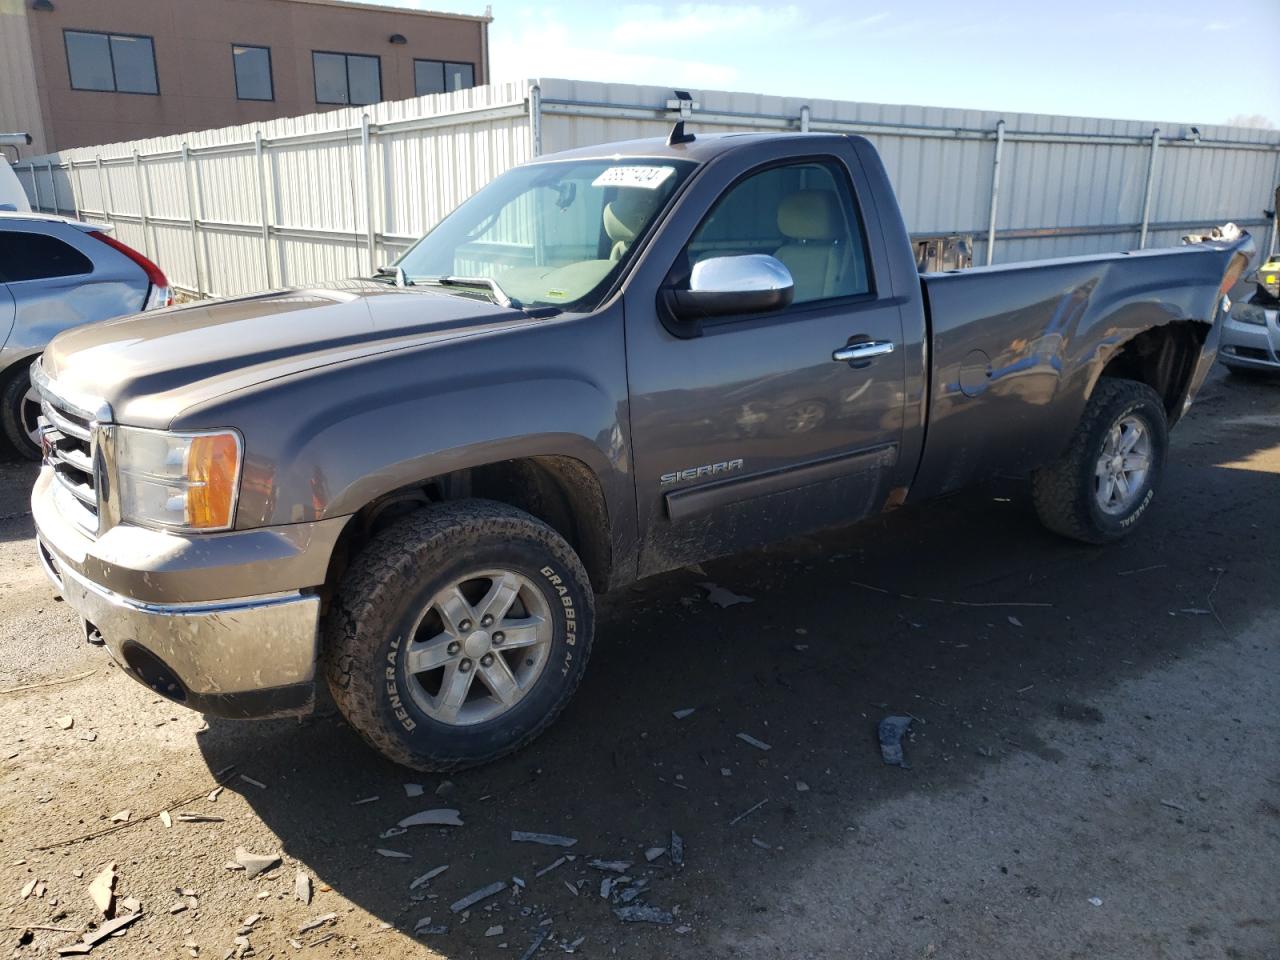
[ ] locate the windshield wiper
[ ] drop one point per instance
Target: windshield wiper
(498, 295)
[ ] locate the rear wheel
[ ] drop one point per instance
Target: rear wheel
(458, 635)
(1101, 487)
(20, 412)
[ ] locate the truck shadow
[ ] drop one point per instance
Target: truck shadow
(911, 613)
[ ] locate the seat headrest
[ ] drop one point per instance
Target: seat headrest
(810, 215)
(626, 216)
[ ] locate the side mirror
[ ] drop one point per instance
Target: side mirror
(723, 286)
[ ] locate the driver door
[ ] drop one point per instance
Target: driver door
(748, 430)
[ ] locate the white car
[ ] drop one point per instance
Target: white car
(1251, 334)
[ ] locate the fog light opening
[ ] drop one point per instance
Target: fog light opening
(153, 671)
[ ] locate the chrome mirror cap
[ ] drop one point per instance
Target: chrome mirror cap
(726, 286)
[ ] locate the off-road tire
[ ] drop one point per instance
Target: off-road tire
(12, 390)
(394, 578)
(1064, 491)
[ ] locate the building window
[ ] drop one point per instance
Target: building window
(347, 78)
(253, 72)
(112, 62)
(434, 76)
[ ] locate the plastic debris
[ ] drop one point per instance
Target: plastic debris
(319, 921)
(302, 887)
(551, 866)
(484, 893)
(653, 853)
(643, 913)
(723, 597)
(546, 839)
(891, 732)
(433, 818)
(122, 817)
(413, 790)
(256, 863)
(1096, 901)
(613, 866)
(682, 713)
(428, 876)
(533, 947)
(393, 854)
(758, 744)
(166, 819)
(108, 929)
(102, 890)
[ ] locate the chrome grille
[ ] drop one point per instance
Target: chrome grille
(69, 450)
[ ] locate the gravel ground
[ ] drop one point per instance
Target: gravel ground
(1094, 761)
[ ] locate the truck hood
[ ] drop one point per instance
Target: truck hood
(148, 367)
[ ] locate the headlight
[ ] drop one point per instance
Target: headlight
(1248, 313)
(183, 481)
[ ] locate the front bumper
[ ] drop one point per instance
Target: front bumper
(1255, 346)
(173, 612)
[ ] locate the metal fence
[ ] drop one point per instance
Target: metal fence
(305, 199)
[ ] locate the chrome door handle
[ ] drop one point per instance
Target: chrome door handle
(865, 350)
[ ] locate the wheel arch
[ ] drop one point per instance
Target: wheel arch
(1163, 357)
(562, 491)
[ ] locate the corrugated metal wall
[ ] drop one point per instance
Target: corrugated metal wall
(306, 199)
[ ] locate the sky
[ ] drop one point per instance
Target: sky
(1177, 60)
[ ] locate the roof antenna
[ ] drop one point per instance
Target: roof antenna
(678, 135)
(685, 104)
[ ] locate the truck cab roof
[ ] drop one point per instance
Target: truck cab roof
(705, 147)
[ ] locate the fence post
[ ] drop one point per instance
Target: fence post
(104, 193)
(1146, 197)
(143, 207)
(804, 119)
(535, 120)
(260, 158)
(53, 185)
(191, 216)
(35, 185)
(995, 192)
(73, 178)
(366, 147)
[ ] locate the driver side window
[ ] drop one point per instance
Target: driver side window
(801, 213)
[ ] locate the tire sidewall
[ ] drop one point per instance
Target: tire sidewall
(11, 400)
(408, 595)
(1148, 410)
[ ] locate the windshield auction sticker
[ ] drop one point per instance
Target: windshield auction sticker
(646, 178)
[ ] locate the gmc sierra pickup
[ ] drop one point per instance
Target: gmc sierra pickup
(607, 363)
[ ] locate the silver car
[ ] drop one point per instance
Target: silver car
(55, 273)
(1251, 334)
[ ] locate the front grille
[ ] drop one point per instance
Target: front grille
(69, 450)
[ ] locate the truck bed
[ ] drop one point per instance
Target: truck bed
(1017, 348)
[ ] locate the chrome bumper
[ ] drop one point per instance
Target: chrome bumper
(238, 656)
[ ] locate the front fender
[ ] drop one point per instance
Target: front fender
(326, 442)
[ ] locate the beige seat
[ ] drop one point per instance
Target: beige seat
(626, 216)
(815, 252)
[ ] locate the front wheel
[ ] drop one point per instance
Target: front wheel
(20, 413)
(458, 635)
(1101, 487)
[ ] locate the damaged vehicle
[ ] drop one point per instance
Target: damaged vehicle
(607, 363)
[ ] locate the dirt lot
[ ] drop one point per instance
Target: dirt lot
(1095, 761)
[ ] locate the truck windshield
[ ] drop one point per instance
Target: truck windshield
(549, 234)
